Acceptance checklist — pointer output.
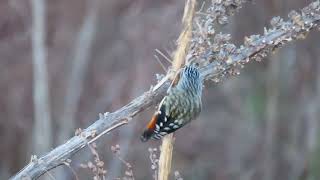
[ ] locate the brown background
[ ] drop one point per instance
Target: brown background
(277, 99)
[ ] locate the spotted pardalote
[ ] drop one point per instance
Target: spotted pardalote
(181, 105)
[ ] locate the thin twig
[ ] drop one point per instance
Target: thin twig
(108, 130)
(163, 55)
(201, 7)
(72, 170)
(50, 175)
(174, 79)
(161, 64)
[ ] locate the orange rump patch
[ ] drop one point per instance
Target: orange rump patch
(152, 123)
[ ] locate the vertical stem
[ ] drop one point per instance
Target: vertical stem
(165, 157)
(42, 124)
(179, 59)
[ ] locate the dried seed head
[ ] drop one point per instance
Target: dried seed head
(276, 21)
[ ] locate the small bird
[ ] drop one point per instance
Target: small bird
(179, 107)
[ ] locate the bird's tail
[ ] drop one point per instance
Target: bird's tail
(147, 134)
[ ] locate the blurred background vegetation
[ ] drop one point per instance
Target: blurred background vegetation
(263, 124)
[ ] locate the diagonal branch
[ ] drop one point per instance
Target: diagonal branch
(227, 62)
(254, 48)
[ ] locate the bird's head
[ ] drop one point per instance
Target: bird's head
(190, 72)
(190, 78)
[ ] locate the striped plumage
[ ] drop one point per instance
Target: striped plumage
(180, 106)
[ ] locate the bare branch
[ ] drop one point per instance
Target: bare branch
(227, 61)
(63, 152)
(254, 48)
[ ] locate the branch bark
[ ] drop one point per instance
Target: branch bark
(254, 48)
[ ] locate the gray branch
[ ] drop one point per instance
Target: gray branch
(215, 66)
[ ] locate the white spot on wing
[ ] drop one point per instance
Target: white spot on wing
(163, 133)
